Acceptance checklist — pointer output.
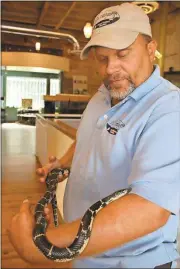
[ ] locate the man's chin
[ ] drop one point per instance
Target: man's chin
(116, 94)
(120, 93)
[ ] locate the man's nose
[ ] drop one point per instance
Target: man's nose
(112, 67)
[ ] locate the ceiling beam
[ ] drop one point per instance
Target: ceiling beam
(43, 13)
(65, 16)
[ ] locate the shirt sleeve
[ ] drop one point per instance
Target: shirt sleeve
(155, 173)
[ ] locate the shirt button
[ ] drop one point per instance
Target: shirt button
(105, 117)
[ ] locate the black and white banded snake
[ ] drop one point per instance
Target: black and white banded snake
(81, 240)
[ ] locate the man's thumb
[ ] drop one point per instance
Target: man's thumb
(25, 206)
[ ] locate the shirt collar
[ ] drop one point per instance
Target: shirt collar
(147, 86)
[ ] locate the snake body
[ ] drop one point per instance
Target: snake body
(81, 240)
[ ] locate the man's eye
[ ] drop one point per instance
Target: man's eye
(102, 59)
(123, 54)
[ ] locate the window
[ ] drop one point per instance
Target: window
(54, 86)
(25, 87)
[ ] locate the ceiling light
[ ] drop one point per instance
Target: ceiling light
(38, 46)
(87, 30)
(148, 7)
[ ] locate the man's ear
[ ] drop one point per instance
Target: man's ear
(152, 46)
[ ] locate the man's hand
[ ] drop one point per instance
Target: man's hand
(21, 228)
(53, 163)
(43, 171)
(64, 162)
(20, 235)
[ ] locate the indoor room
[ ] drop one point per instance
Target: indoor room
(90, 126)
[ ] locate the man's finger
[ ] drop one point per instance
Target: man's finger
(42, 179)
(25, 206)
(47, 210)
(40, 171)
(52, 158)
(66, 172)
(60, 178)
(43, 171)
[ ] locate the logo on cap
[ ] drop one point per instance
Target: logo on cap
(106, 18)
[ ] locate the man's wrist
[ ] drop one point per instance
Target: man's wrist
(56, 164)
(34, 256)
(63, 164)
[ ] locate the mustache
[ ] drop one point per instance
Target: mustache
(115, 77)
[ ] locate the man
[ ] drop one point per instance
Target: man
(134, 143)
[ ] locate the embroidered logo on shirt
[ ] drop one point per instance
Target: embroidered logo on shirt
(115, 126)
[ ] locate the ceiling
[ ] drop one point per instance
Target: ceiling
(59, 16)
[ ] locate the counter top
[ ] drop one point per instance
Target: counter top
(67, 97)
(67, 126)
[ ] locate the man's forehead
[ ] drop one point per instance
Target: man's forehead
(103, 50)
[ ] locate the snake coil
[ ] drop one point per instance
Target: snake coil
(81, 240)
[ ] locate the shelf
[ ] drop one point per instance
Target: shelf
(172, 73)
(67, 98)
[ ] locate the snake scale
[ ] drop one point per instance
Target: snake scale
(81, 240)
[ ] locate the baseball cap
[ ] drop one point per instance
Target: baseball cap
(117, 27)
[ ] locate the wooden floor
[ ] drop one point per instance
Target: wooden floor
(19, 181)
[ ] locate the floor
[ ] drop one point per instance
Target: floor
(19, 181)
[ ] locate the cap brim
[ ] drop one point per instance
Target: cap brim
(122, 39)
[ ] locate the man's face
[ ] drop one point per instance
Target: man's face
(124, 70)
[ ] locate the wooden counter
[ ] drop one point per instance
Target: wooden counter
(67, 98)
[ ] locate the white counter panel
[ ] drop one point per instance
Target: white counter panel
(52, 142)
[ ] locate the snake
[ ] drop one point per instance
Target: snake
(81, 240)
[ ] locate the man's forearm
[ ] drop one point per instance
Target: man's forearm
(120, 222)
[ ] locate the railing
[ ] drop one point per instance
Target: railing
(41, 33)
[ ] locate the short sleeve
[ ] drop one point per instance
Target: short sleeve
(155, 173)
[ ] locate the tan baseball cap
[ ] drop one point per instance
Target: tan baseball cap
(117, 27)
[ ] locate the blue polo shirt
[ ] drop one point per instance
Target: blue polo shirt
(134, 143)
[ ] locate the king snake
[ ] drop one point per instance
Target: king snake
(81, 240)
